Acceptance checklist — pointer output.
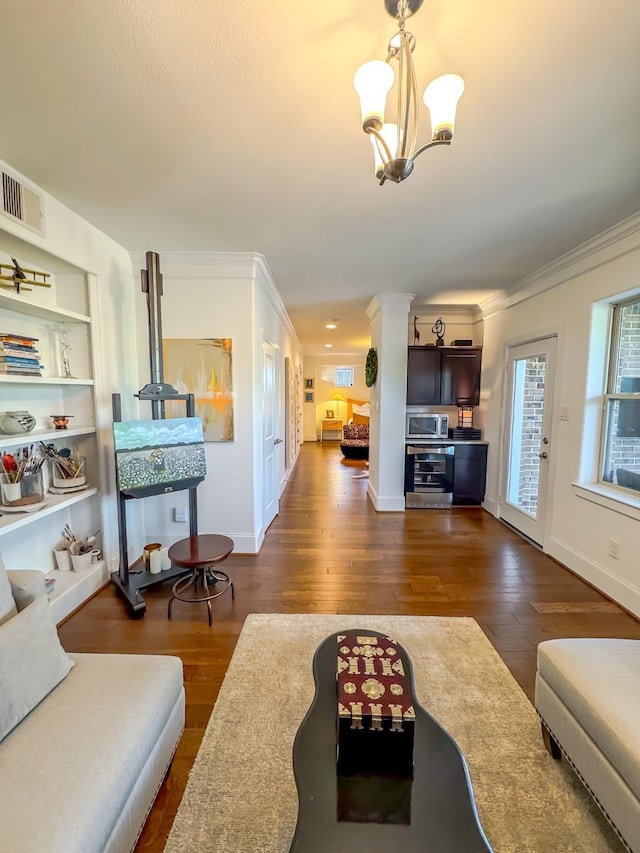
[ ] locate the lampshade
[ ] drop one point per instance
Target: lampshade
(372, 81)
(338, 398)
(442, 96)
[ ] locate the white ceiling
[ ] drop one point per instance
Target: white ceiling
(232, 125)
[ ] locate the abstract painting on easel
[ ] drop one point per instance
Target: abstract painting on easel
(202, 367)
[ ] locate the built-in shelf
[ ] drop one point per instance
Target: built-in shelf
(14, 302)
(43, 380)
(73, 588)
(43, 435)
(12, 521)
(46, 315)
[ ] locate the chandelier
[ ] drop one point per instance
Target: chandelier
(395, 143)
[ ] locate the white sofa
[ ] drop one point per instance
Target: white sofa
(79, 773)
(587, 695)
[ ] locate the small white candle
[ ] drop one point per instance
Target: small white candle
(155, 562)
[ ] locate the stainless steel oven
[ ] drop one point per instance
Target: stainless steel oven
(428, 479)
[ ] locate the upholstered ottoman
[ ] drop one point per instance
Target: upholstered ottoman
(355, 441)
(588, 697)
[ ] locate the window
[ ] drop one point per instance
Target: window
(344, 377)
(621, 432)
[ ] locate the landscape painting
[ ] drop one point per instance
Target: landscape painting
(155, 452)
(203, 367)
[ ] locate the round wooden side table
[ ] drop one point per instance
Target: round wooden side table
(200, 554)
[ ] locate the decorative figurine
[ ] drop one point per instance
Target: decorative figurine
(60, 421)
(438, 330)
(65, 346)
(416, 333)
(19, 277)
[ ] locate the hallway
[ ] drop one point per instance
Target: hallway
(328, 551)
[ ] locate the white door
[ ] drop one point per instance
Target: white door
(528, 440)
(270, 440)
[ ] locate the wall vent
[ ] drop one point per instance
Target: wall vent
(22, 204)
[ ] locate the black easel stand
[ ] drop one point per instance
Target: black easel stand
(130, 584)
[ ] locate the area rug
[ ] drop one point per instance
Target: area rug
(241, 795)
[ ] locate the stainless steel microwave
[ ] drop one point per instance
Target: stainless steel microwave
(427, 425)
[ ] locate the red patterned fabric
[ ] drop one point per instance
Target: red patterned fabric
(372, 683)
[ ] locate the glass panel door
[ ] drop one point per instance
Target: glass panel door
(528, 432)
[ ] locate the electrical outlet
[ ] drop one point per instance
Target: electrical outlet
(614, 549)
(179, 513)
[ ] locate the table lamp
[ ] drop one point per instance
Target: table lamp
(465, 416)
(338, 398)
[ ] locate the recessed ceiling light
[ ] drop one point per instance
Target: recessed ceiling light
(329, 346)
(332, 325)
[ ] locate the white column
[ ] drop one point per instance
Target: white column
(389, 318)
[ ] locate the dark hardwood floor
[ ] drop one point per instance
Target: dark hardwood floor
(328, 551)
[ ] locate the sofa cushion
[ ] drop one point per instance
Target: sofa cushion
(598, 680)
(32, 663)
(26, 586)
(356, 431)
(83, 750)
(7, 604)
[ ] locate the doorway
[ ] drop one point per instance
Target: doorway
(270, 440)
(528, 440)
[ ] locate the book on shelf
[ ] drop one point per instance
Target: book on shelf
(19, 340)
(12, 359)
(16, 349)
(20, 371)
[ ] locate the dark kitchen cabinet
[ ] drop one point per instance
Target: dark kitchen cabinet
(469, 473)
(423, 376)
(460, 376)
(443, 376)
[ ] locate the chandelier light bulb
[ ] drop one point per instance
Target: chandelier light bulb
(441, 97)
(389, 133)
(372, 81)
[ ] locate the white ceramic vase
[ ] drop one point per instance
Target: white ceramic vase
(16, 422)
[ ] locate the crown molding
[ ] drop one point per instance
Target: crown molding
(469, 311)
(610, 244)
(399, 302)
(263, 278)
(217, 265)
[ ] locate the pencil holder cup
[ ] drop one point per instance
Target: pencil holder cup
(62, 557)
(29, 489)
(75, 476)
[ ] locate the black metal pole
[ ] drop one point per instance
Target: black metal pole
(152, 286)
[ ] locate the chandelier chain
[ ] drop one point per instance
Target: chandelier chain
(402, 10)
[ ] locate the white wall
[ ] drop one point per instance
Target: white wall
(563, 298)
(272, 324)
(461, 323)
(224, 295)
(72, 239)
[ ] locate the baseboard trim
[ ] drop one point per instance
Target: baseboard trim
(619, 591)
(490, 506)
(244, 543)
(385, 504)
